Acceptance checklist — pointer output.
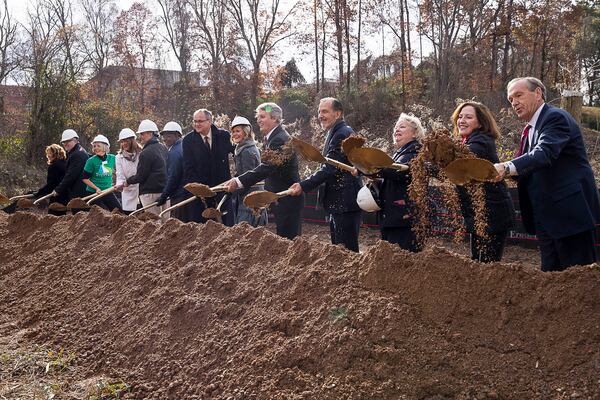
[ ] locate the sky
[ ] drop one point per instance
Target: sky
(372, 45)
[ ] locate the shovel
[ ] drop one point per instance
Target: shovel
(6, 200)
(57, 207)
(215, 213)
(370, 160)
(25, 203)
(311, 153)
(42, 198)
(199, 190)
(102, 194)
(147, 206)
(465, 170)
(262, 198)
(352, 142)
(23, 196)
(80, 202)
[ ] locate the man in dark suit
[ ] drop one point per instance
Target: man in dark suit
(278, 175)
(557, 191)
(337, 188)
(206, 152)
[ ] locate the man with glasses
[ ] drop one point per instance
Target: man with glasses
(206, 152)
(72, 184)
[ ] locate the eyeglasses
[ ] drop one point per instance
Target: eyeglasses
(199, 121)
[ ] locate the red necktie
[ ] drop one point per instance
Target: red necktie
(523, 141)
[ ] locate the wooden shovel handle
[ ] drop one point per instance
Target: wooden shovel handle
(42, 198)
(102, 194)
(339, 165)
(22, 196)
(399, 167)
(181, 203)
(147, 206)
(285, 193)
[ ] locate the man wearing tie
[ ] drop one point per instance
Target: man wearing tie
(337, 188)
(206, 152)
(277, 177)
(557, 191)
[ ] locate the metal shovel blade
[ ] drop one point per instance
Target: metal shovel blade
(352, 142)
(211, 213)
(260, 199)
(199, 190)
(4, 199)
(307, 151)
(370, 160)
(465, 170)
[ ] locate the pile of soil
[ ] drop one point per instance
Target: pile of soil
(186, 311)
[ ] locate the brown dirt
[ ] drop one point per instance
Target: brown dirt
(186, 311)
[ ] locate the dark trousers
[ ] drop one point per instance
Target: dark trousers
(344, 228)
(488, 249)
(108, 202)
(288, 216)
(402, 236)
(560, 254)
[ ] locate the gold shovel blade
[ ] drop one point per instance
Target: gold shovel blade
(307, 151)
(57, 207)
(4, 199)
(369, 160)
(352, 142)
(77, 203)
(465, 170)
(211, 213)
(25, 203)
(260, 199)
(199, 190)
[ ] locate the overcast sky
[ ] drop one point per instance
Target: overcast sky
(372, 45)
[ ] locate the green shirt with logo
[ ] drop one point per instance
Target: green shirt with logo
(101, 171)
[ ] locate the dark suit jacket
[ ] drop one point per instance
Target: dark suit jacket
(393, 191)
(56, 173)
(277, 177)
(498, 204)
(174, 187)
(209, 166)
(340, 187)
(72, 184)
(151, 171)
(555, 180)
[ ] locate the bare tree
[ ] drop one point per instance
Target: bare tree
(260, 27)
(8, 40)
(176, 18)
(99, 17)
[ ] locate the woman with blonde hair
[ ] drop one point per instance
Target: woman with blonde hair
(395, 220)
(475, 126)
(56, 158)
(246, 157)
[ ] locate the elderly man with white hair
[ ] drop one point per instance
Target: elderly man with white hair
(151, 172)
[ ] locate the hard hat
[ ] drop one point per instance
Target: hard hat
(147, 126)
(366, 199)
(172, 126)
(101, 139)
(239, 121)
(69, 134)
(126, 133)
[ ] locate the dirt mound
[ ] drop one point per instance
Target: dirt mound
(188, 311)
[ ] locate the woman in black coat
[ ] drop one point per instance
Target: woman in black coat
(475, 126)
(57, 162)
(395, 219)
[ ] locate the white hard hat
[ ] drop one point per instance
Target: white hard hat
(147, 126)
(126, 133)
(172, 126)
(239, 121)
(366, 199)
(69, 134)
(101, 139)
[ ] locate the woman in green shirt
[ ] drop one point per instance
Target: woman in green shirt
(98, 173)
